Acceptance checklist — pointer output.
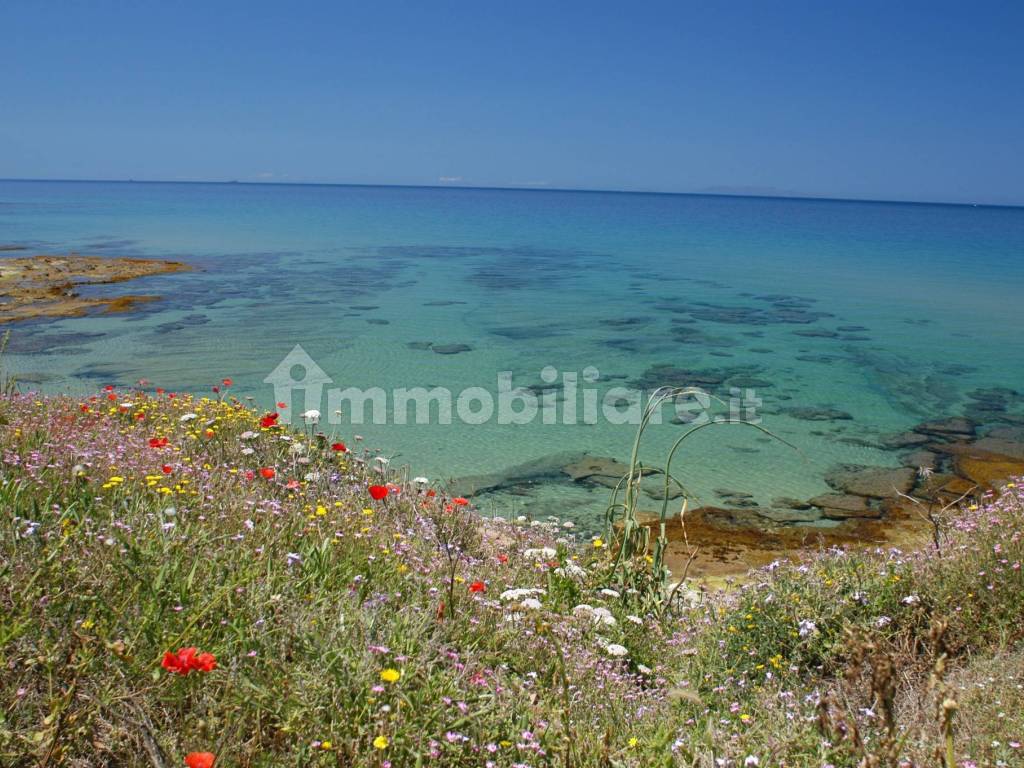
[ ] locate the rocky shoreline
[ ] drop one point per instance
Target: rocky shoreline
(943, 462)
(47, 287)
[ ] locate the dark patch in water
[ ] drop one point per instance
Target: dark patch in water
(450, 349)
(625, 322)
(525, 332)
(37, 343)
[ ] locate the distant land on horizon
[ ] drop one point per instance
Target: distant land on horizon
(712, 191)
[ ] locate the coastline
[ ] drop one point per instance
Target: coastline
(153, 537)
(48, 287)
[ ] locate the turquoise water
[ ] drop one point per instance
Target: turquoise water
(910, 308)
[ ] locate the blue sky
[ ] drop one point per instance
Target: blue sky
(893, 100)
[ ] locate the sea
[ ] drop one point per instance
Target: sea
(832, 324)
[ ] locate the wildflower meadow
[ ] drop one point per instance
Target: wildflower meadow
(185, 581)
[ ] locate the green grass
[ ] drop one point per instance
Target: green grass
(306, 590)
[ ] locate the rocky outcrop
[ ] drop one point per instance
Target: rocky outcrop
(875, 482)
(48, 286)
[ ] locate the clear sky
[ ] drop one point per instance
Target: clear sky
(895, 100)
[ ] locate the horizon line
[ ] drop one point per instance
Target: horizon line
(485, 187)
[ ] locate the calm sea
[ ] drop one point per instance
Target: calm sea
(848, 320)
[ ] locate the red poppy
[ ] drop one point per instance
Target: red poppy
(200, 759)
(187, 660)
(270, 420)
(172, 396)
(503, 558)
(111, 397)
(477, 586)
(378, 492)
(282, 406)
(249, 474)
(84, 408)
(268, 473)
(209, 433)
(292, 484)
(181, 662)
(458, 500)
(140, 416)
(160, 390)
(158, 442)
(431, 492)
(339, 447)
(215, 389)
(108, 388)
(227, 382)
(167, 469)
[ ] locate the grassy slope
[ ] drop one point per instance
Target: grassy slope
(113, 552)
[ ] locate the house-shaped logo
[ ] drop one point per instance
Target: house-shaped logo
(298, 371)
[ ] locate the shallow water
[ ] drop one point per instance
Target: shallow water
(882, 314)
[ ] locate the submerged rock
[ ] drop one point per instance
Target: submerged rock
(905, 440)
(816, 333)
(589, 466)
(790, 515)
(839, 506)
(921, 460)
(450, 349)
(951, 428)
(989, 470)
(876, 482)
(544, 469)
(809, 413)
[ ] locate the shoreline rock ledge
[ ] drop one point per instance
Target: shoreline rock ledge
(47, 287)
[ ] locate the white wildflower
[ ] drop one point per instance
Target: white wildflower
(541, 553)
(530, 604)
(808, 628)
(911, 600)
(518, 594)
(311, 416)
(595, 615)
(571, 570)
(616, 650)
(610, 593)
(188, 417)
